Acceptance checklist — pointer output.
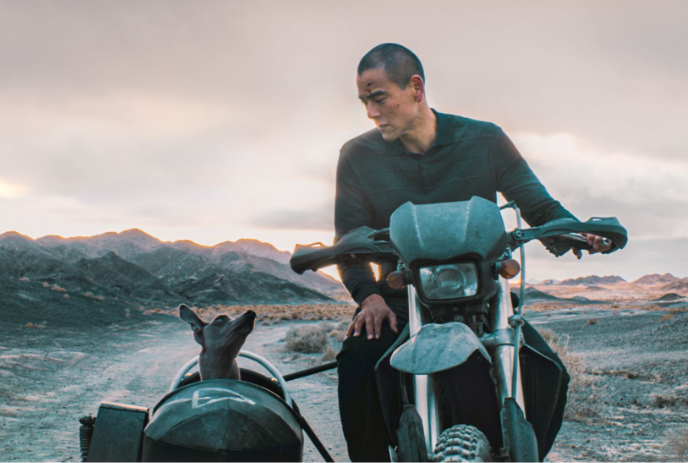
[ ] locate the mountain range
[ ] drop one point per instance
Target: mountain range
(137, 269)
(666, 282)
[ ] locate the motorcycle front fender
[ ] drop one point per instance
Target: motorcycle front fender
(437, 347)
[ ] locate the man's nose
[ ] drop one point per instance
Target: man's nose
(372, 111)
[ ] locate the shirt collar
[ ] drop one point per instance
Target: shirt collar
(445, 136)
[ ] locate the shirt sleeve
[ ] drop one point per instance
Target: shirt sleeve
(352, 210)
(518, 183)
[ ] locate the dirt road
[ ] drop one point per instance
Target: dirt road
(48, 386)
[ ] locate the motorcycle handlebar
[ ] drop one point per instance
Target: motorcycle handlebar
(565, 229)
(363, 242)
(367, 244)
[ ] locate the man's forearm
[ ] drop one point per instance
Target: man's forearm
(359, 281)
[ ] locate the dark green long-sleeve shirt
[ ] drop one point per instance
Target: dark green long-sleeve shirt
(469, 158)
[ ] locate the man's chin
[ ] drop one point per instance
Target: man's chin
(388, 135)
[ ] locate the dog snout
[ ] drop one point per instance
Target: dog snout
(250, 314)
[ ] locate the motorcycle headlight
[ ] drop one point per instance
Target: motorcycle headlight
(449, 281)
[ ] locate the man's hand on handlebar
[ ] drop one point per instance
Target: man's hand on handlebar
(374, 311)
(597, 244)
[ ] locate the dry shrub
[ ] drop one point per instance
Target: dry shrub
(592, 321)
(99, 298)
(668, 401)
(325, 327)
(59, 289)
(677, 443)
(583, 394)
(89, 294)
(311, 339)
(330, 354)
(66, 296)
(306, 339)
(46, 285)
(41, 326)
(337, 335)
(24, 279)
(666, 317)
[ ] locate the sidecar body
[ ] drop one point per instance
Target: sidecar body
(214, 420)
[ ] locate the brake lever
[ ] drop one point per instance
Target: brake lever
(561, 244)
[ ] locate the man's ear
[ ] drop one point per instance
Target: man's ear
(418, 86)
(190, 317)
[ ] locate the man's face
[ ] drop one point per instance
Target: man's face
(393, 109)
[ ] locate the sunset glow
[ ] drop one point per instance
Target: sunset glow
(220, 122)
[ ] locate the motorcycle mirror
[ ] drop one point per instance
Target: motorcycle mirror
(509, 268)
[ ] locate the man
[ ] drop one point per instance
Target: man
(415, 154)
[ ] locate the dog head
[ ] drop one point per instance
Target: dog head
(220, 340)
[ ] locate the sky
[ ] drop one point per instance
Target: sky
(221, 120)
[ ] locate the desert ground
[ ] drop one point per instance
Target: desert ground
(626, 354)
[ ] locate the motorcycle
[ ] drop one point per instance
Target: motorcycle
(453, 386)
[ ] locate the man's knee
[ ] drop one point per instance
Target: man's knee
(362, 353)
(361, 350)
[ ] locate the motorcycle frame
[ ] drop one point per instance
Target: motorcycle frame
(503, 343)
(502, 347)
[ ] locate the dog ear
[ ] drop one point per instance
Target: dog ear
(190, 317)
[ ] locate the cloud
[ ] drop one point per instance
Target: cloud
(11, 190)
(216, 118)
(639, 257)
(320, 218)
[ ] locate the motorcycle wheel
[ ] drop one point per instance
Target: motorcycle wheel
(462, 443)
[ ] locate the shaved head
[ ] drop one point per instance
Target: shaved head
(399, 63)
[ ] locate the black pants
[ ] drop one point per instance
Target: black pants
(365, 430)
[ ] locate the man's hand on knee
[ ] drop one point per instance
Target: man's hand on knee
(374, 311)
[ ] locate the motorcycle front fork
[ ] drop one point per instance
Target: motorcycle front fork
(502, 352)
(424, 389)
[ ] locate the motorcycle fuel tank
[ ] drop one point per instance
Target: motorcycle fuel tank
(445, 231)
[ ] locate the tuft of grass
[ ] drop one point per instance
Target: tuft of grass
(583, 394)
(666, 317)
(24, 279)
(677, 442)
(668, 400)
(330, 354)
(337, 335)
(592, 321)
(59, 289)
(552, 338)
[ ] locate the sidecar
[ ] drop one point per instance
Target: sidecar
(252, 419)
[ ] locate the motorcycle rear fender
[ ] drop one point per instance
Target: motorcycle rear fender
(437, 347)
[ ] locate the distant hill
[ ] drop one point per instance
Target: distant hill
(656, 278)
(670, 297)
(593, 280)
(534, 295)
(680, 284)
(136, 269)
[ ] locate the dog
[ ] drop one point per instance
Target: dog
(220, 341)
